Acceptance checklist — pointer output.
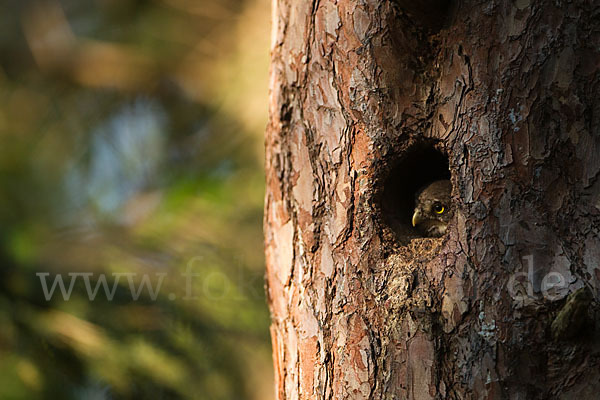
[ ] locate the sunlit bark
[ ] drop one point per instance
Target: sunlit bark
(508, 92)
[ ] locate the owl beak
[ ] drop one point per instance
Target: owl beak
(416, 218)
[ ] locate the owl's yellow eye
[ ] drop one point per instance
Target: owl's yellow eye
(438, 208)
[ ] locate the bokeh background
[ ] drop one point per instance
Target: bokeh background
(131, 143)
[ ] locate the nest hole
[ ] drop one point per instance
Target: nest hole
(420, 165)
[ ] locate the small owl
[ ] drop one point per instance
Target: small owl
(433, 208)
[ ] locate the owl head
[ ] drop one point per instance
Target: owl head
(433, 208)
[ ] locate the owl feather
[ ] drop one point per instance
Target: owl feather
(433, 208)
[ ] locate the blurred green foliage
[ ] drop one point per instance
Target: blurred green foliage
(131, 143)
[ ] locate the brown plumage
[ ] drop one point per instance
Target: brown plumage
(433, 208)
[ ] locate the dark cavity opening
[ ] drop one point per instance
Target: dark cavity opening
(420, 165)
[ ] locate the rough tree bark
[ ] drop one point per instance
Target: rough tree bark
(364, 95)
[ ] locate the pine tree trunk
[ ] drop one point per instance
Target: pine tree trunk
(370, 100)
